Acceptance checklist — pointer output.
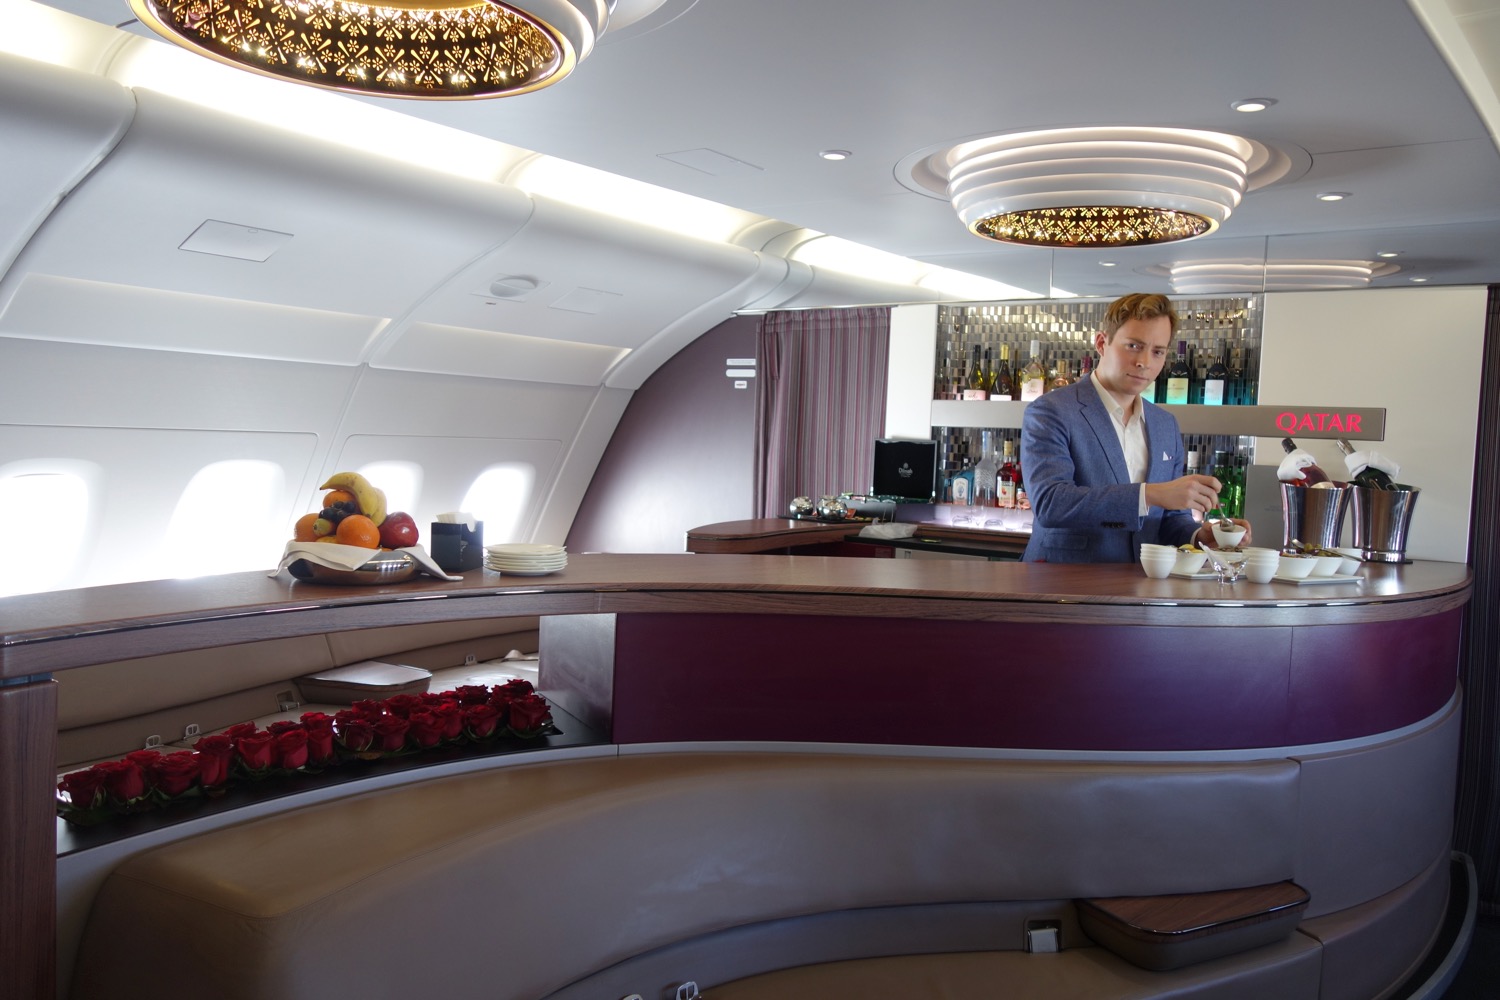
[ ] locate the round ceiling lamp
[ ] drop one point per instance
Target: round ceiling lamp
(423, 49)
(1098, 187)
(1222, 277)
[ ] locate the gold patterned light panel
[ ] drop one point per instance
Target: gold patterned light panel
(444, 51)
(1092, 226)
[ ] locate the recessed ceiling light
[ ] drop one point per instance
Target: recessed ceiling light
(835, 154)
(1107, 263)
(1332, 195)
(1253, 104)
(1417, 280)
(1389, 253)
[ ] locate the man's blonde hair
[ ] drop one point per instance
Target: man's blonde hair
(1140, 305)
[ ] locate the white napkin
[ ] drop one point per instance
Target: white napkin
(1290, 469)
(890, 529)
(1359, 461)
(352, 557)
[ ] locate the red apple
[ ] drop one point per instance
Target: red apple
(398, 530)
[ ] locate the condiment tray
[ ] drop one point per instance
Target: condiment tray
(1308, 581)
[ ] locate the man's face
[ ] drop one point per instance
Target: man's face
(1131, 359)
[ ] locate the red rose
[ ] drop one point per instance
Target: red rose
(242, 729)
(426, 728)
(356, 734)
(290, 748)
(403, 704)
(390, 733)
(431, 699)
(85, 789)
(515, 687)
(175, 773)
(319, 729)
(481, 721)
(284, 726)
(367, 709)
(215, 753)
(529, 713)
(123, 780)
(451, 716)
(254, 750)
(471, 694)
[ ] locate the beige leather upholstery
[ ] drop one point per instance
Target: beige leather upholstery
(528, 878)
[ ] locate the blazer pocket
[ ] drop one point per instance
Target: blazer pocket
(1069, 540)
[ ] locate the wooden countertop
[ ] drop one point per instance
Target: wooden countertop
(40, 633)
(765, 534)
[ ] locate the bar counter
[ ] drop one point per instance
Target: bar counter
(662, 649)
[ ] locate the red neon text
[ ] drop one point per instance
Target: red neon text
(1293, 423)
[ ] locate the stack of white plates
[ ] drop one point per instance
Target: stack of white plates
(525, 558)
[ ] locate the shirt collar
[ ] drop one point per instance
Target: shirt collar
(1115, 409)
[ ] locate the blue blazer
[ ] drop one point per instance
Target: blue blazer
(1085, 508)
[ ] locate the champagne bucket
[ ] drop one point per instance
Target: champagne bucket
(1381, 521)
(1313, 517)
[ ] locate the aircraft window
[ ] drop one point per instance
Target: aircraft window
(499, 497)
(401, 482)
(231, 518)
(42, 560)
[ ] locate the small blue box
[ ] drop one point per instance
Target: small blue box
(456, 548)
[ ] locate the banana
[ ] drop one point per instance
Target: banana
(371, 500)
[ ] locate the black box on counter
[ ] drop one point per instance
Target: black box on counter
(905, 470)
(456, 548)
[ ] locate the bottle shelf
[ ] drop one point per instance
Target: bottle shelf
(1263, 420)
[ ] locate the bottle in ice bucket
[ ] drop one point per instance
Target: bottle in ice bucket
(1370, 469)
(1299, 468)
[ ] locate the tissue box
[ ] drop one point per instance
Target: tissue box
(456, 548)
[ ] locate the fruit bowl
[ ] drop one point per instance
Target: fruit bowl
(382, 568)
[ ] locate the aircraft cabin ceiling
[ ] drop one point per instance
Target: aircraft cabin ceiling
(1391, 101)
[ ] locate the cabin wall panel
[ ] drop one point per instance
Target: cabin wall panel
(684, 453)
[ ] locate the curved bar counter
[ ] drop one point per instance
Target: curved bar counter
(1351, 685)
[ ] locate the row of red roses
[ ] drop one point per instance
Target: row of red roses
(368, 729)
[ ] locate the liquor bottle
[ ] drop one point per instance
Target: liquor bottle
(1003, 388)
(985, 471)
(1033, 376)
(1007, 477)
(1369, 468)
(1299, 468)
(962, 486)
(1062, 375)
(1192, 462)
(1179, 376)
(989, 374)
(1237, 476)
(974, 386)
(1249, 383)
(1216, 380)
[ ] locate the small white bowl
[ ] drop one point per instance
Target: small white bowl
(1157, 569)
(1261, 572)
(1327, 565)
(1352, 561)
(1257, 550)
(1228, 538)
(1189, 562)
(1296, 567)
(1153, 547)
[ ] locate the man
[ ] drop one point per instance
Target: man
(1104, 468)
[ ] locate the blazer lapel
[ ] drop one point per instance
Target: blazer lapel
(1103, 426)
(1161, 442)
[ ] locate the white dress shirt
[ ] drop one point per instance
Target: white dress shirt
(1131, 430)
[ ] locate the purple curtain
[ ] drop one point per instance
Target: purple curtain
(820, 403)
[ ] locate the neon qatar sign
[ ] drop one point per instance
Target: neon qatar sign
(1293, 422)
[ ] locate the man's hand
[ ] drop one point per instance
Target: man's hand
(1200, 493)
(1205, 536)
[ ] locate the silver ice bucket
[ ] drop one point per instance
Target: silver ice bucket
(1381, 521)
(1313, 516)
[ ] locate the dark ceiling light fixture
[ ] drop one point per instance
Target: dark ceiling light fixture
(1098, 187)
(420, 49)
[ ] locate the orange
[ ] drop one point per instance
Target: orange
(356, 529)
(336, 496)
(303, 532)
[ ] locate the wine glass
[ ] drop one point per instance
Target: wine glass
(1227, 571)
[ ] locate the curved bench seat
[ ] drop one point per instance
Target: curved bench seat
(533, 877)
